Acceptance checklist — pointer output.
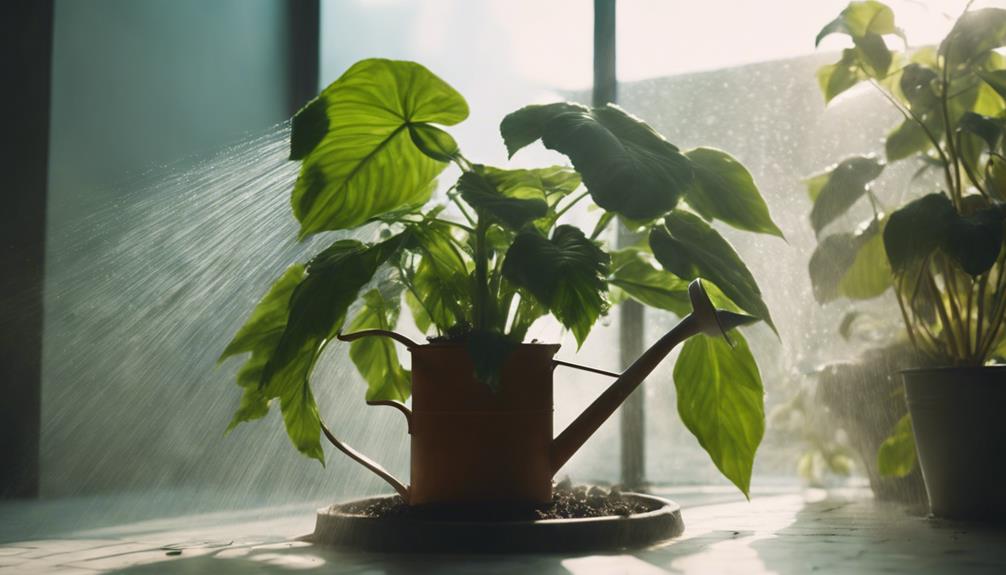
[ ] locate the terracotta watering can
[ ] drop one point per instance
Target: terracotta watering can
(470, 444)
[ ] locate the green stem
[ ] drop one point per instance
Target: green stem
(572, 203)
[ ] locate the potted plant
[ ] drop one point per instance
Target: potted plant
(940, 251)
(477, 265)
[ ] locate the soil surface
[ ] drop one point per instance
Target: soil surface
(568, 502)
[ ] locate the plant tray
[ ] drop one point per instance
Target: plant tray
(354, 530)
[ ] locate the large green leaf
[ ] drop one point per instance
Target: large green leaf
(523, 203)
(565, 273)
(721, 401)
(689, 248)
(367, 163)
(975, 240)
(853, 265)
(627, 167)
(847, 182)
(723, 189)
(896, 456)
(657, 288)
(916, 229)
(376, 357)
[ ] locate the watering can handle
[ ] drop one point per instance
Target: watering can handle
(355, 455)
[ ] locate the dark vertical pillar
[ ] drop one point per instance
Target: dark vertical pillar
(630, 326)
(26, 28)
(305, 47)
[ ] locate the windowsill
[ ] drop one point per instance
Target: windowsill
(783, 531)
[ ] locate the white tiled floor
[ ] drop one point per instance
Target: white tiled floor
(787, 533)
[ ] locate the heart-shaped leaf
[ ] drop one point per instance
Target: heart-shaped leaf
(690, 248)
(974, 241)
(916, 229)
(566, 274)
(368, 163)
(626, 166)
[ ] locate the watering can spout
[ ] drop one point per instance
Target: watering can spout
(705, 318)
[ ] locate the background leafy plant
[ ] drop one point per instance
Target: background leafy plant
(941, 252)
(480, 263)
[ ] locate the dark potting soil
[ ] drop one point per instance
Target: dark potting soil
(568, 502)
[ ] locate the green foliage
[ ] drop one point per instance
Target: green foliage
(896, 456)
(565, 273)
(689, 248)
(376, 357)
(479, 264)
(724, 190)
(942, 251)
(720, 400)
(841, 187)
(852, 265)
(367, 163)
(627, 167)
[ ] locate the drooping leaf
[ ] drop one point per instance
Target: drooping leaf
(626, 166)
(916, 229)
(723, 189)
(376, 357)
(721, 401)
(657, 288)
(565, 273)
(367, 163)
(690, 248)
(524, 204)
(847, 182)
(264, 327)
(896, 456)
(317, 310)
